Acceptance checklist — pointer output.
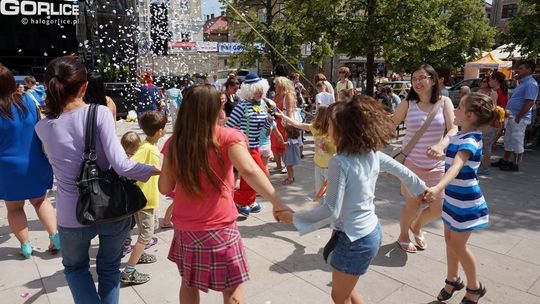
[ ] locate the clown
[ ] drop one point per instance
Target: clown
(251, 117)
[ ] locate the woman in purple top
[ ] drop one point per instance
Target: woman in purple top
(25, 173)
(62, 133)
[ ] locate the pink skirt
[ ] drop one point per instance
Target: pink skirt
(430, 176)
(210, 259)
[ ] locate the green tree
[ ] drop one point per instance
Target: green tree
(524, 29)
(443, 33)
(405, 33)
(266, 22)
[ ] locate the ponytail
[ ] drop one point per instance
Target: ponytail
(63, 79)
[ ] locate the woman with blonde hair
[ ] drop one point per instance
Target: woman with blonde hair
(285, 101)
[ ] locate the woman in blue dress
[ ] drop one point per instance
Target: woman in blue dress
(25, 173)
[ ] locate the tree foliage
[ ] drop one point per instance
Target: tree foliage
(524, 29)
(444, 33)
(268, 23)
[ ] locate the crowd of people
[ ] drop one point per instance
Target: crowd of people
(229, 132)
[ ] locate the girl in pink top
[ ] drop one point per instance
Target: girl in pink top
(424, 157)
(198, 165)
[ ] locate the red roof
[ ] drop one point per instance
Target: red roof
(217, 25)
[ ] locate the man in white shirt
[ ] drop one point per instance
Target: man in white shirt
(323, 98)
(217, 84)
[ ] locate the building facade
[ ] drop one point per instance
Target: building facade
(502, 11)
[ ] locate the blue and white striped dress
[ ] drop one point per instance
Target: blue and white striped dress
(464, 206)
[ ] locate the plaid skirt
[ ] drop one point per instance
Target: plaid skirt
(210, 259)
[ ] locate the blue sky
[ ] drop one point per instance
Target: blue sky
(210, 7)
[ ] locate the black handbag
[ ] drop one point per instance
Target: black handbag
(104, 196)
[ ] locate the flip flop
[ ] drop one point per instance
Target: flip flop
(420, 239)
(405, 245)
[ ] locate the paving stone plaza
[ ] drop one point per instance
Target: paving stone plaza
(287, 268)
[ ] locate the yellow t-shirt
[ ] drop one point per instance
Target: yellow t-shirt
(149, 154)
(324, 148)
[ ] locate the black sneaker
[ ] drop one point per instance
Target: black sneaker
(499, 163)
(509, 167)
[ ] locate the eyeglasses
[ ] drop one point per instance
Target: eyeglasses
(418, 79)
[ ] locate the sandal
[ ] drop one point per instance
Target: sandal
(420, 240)
(134, 278)
(406, 245)
(288, 181)
(456, 285)
(480, 292)
(147, 258)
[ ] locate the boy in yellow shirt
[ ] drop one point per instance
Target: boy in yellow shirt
(153, 125)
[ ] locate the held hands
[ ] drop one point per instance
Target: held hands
(283, 214)
(432, 195)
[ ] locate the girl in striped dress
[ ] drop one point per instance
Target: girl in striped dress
(464, 207)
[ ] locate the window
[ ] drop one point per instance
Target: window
(184, 5)
(509, 11)
(261, 13)
(282, 10)
(185, 36)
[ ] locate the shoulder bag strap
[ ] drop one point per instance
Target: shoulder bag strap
(90, 135)
(424, 127)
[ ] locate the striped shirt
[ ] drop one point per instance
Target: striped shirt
(251, 118)
(433, 135)
(464, 206)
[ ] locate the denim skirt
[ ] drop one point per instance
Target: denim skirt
(354, 258)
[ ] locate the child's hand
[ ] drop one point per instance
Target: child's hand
(435, 152)
(432, 194)
(284, 216)
(157, 171)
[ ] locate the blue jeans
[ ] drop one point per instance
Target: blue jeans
(76, 261)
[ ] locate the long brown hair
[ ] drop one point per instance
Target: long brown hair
(194, 139)
(63, 79)
(361, 126)
(9, 94)
(320, 122)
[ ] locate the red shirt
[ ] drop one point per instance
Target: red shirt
(502, 99)
(217, 209)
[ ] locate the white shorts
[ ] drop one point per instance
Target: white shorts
(514, 135)
(265, 151)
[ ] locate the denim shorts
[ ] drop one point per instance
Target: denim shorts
(353, 258)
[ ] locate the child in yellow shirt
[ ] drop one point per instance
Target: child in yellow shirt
(324, 148)
(153, 125)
